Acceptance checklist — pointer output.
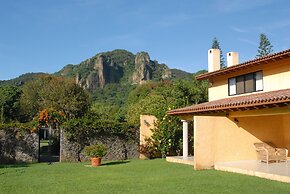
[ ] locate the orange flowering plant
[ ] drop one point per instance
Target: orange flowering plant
(51, 117)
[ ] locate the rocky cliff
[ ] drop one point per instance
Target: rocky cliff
(143, 68)
(118, 66)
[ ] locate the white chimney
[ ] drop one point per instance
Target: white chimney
(214, 60)
(232, 58)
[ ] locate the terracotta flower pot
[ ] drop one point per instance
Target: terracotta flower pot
(96, 161)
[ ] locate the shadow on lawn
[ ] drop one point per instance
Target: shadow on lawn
(20, 165)
(115, 162)
(17, 168)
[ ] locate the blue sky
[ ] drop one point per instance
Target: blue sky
(44, 36)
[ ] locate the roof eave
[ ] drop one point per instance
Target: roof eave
(248, 64)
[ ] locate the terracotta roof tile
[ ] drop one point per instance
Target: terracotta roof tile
(248, 64)
(278, 97)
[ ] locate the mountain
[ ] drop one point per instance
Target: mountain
(118, 66)
(113, 67)
(179, 74)
(22, 79)
(111, 76)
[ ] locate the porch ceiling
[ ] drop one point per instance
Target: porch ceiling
(257, 101)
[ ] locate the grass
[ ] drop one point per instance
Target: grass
(44, 143)
(134, 176)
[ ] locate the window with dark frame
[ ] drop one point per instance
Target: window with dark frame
(240, 85)
(247, 83)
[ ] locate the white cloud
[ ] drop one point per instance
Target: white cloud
(269, 27)
(238, 5)
(280, 24)
(237, 29)
(262, 29)
(253, 43)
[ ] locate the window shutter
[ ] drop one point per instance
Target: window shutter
(232, 89)
(259, 81)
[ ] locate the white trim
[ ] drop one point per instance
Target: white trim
(259, 80)
(185, 139)
(233, 86)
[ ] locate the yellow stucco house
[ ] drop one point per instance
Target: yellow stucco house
(248, 103)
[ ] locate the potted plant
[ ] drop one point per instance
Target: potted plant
(96, 152)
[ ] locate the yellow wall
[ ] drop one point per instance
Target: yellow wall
(203, 142)
(219, 139)
(146, 124)
(276, 75)
(286, 130)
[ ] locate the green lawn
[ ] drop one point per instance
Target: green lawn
(134, 176)
(44, 143)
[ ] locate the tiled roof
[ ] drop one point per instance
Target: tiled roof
(252, 101)
(245, 65)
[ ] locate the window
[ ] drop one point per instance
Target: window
(240, 85)
(247, 83)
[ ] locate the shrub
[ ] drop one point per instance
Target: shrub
(97, 150)
(166, 136)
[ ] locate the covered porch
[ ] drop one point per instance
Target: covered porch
(230, 145)
(225, 132)
(186, 158)
(274, 171)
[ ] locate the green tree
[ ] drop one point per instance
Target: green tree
(216, 45)
(113, 94)
(153, 104)
(55, 93)
(265, 46)
(188, 92)
(166, 135)
(9, 103)
(156, 99)
(107, 111)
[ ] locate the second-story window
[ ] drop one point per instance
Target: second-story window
(247, 83)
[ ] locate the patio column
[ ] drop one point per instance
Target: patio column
(185, 139)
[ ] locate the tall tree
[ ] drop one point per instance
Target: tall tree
(265, 46)
(9, 103)
(50, 92)
(216, 45)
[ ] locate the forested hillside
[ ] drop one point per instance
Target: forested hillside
(104, 94)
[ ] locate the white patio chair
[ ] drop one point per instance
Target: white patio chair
(268, 152)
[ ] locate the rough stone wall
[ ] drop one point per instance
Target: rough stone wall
(18, 146)
(119, 148)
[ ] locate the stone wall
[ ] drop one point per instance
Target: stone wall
(119, 148)
(18, 146)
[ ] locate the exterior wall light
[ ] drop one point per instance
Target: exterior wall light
(236, 121)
